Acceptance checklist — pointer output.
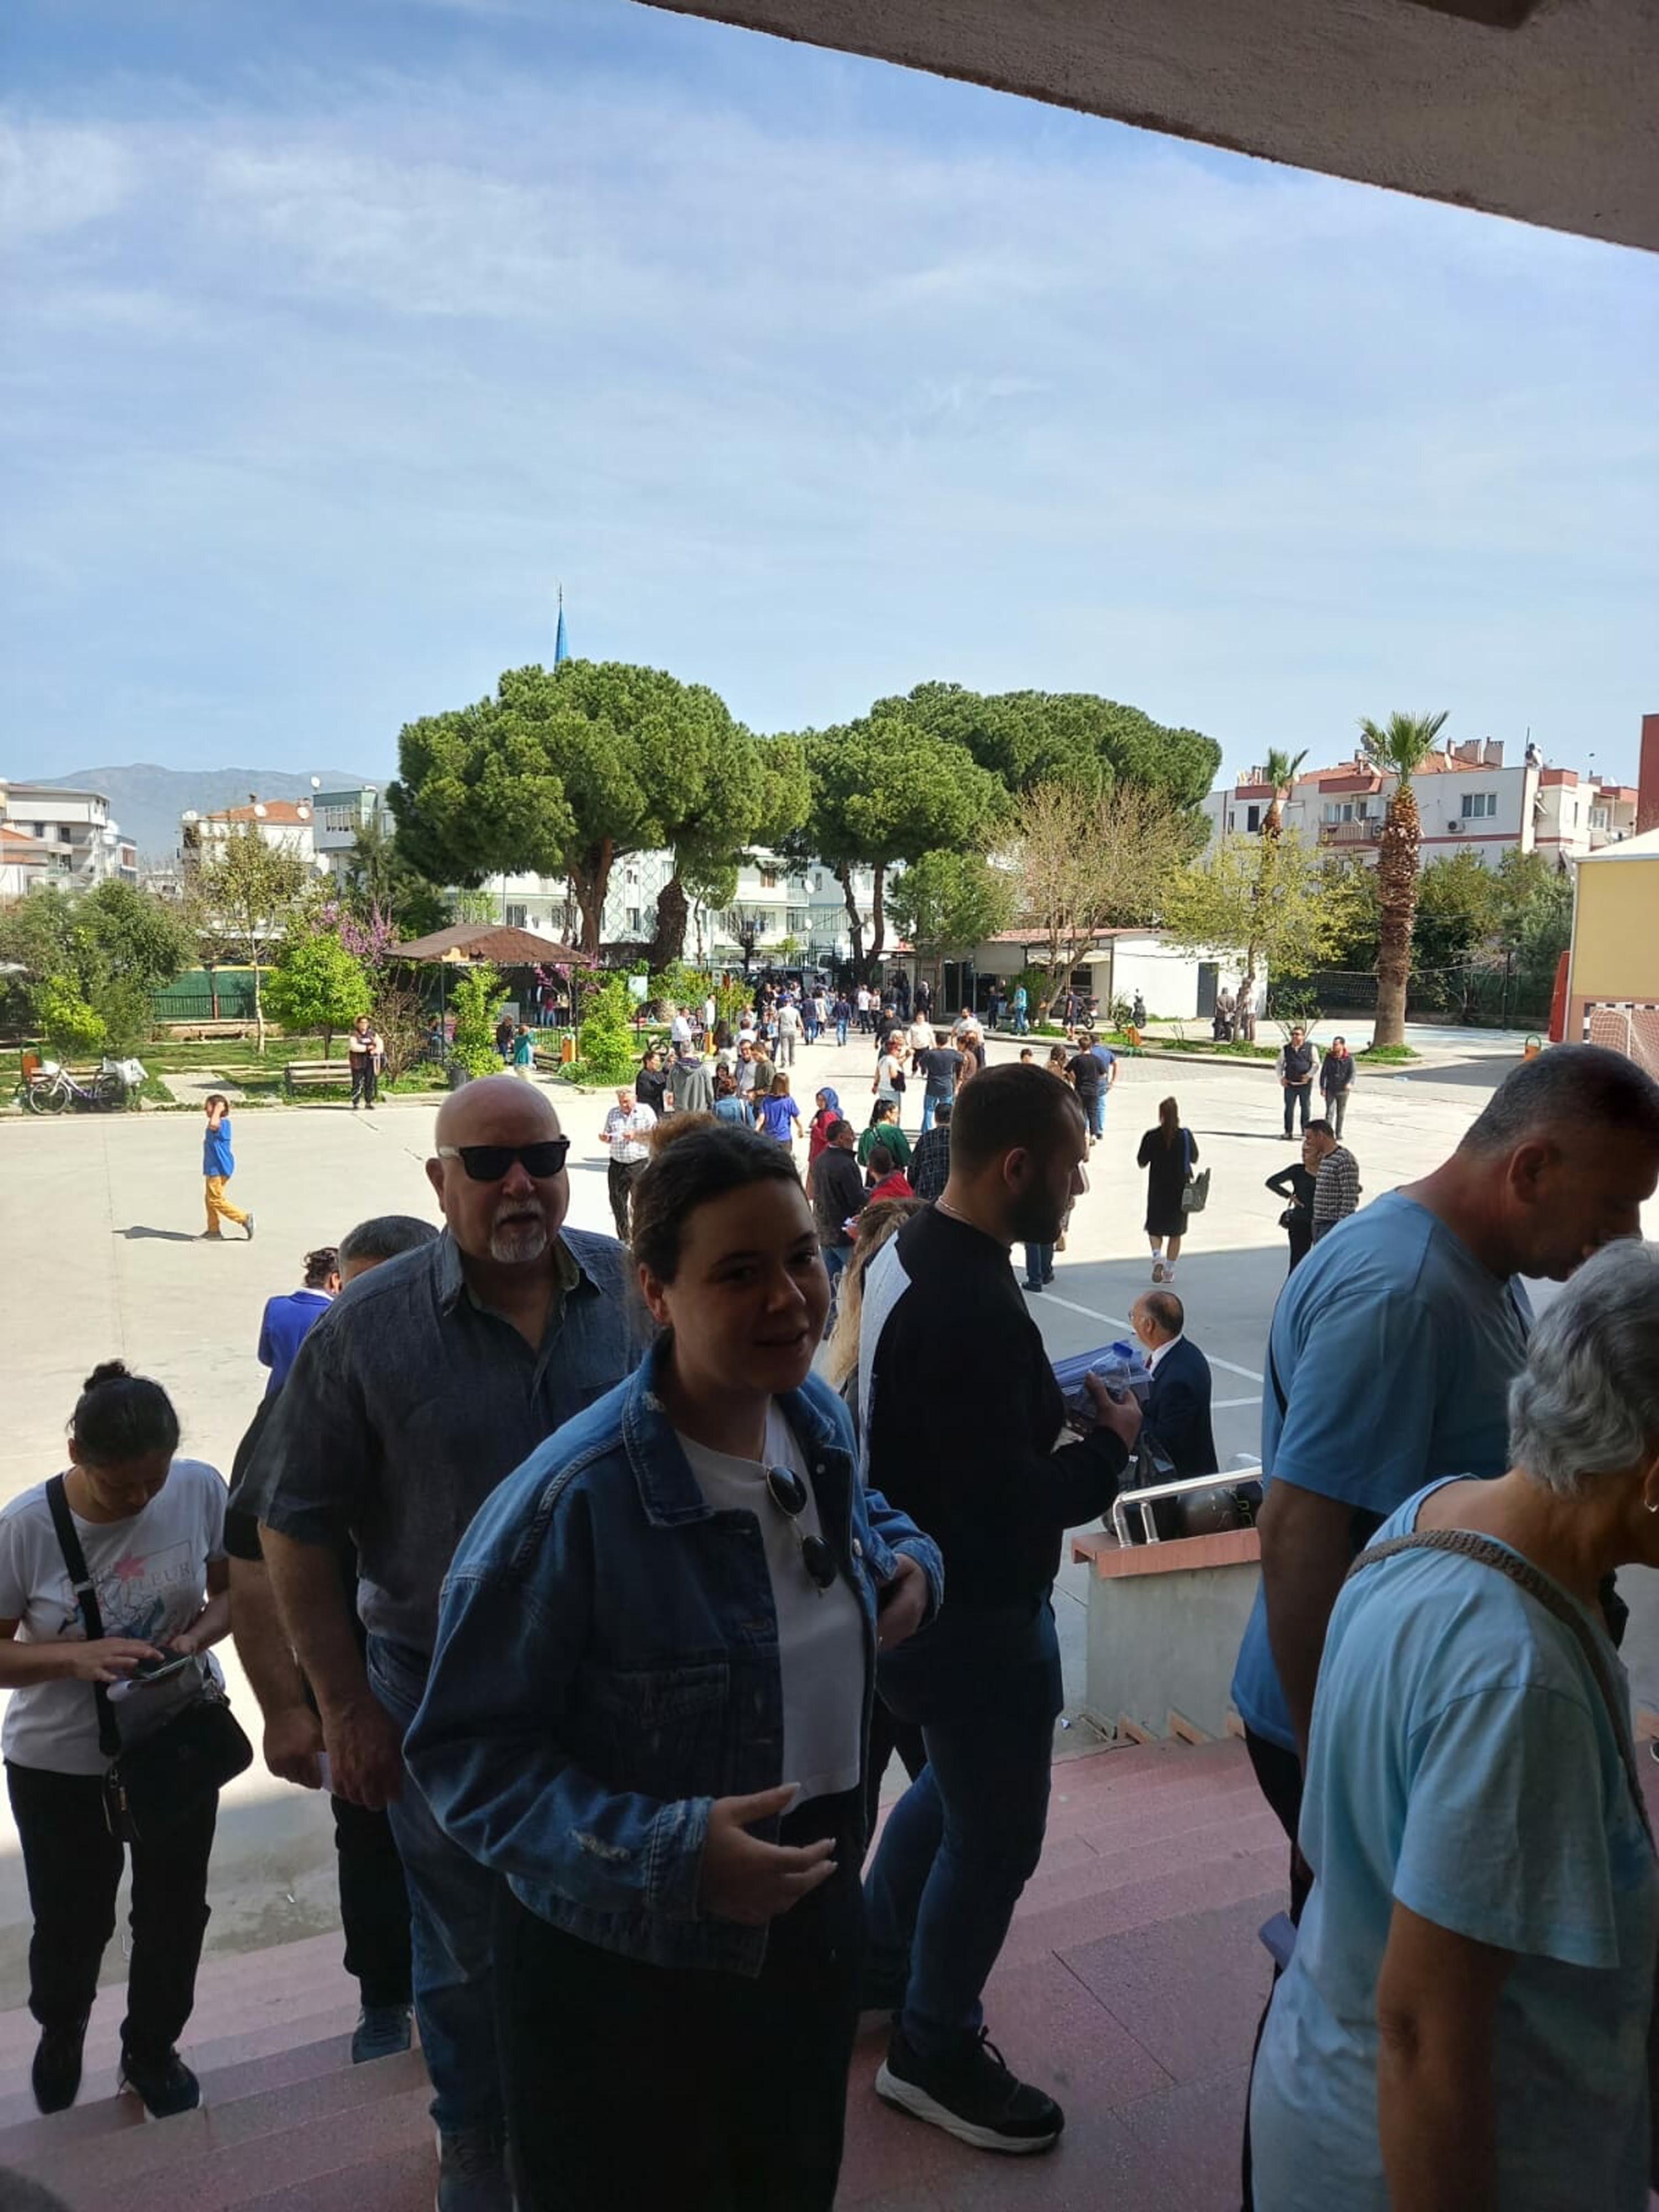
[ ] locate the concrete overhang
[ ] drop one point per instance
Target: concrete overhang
(1544, 109)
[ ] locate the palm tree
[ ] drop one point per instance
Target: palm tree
(1401, 749)
(1281, 771)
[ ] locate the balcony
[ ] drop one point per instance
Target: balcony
(1350, 833)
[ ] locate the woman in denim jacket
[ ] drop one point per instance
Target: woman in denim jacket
(648, 1710)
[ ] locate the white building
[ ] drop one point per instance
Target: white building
(280, 822)
(73, 843)
(1175, 982)
(1468, 798)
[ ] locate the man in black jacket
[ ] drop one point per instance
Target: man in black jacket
(941, 1302)
(1177, 1416)
(838, 1194)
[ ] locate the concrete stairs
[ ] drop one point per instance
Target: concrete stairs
(1130, 1986)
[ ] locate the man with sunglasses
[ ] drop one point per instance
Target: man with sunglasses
(422, 1388)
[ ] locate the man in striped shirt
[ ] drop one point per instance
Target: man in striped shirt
(1336, 1192)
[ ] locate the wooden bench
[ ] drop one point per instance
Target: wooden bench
(201, 1032)
(316, 1074)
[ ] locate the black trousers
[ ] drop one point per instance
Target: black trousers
(1301, 1236)
(373, 1904)
(620, 1177)
(635, 2088)
(365, 1078)
(1297, 1096)
(73, 1867)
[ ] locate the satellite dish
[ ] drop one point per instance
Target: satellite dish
(303, 811)
(316, 783)
(259, 810)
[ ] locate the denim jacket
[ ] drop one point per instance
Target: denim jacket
(607, 1666)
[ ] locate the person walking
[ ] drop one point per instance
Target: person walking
(940, 1303)
(1107, 1061)
(689, 1090)
(788, 1030)
(626, 1137)
(940, 1066)
(373, 1894)
(777, 1114)
(1298, 1060)
(1087, 1075)
(1022, 1003)
(1168, 1154)
(112, 1586)
(842, 1015)
(412, 1399)
(1296, 1185)
(1336, 1188)
(365, 1050)
(827, 1113)
(650, 1083)
(1336, 1075)
(729, 1104)
(1466, 2018)
(218, 1165)
(598, 1680)
(288, 1320)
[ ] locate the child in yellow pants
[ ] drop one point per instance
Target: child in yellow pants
(218, 1165)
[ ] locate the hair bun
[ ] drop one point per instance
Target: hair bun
(107, 1370)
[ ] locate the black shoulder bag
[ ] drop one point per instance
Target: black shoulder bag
(155, 1783)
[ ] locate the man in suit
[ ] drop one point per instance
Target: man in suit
(1178, 1417)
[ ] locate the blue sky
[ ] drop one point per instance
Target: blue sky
(332, 338)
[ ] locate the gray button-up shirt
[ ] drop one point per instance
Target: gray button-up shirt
(410, 1402)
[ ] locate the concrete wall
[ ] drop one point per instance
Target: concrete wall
(1158, 1642)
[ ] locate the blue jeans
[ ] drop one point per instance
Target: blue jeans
(1021, 1027)
(964, 1840)
(930, 1106)
(451, 1898)
(1098, 1112)
(841, 1033)
(1039, 1263)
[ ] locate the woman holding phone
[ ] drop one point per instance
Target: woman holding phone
(150, 1529)
(648, 1709)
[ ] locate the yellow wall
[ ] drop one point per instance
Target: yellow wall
(1616, 933)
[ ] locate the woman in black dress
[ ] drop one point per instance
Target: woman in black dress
(1167, 1153)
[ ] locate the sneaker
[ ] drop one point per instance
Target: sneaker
(1034, 1287)
(248, 1226)
(1157, 1270)
(472, 2171)
(972, 2096)
(382, 2031)
(165, 2084)
(56, 2071)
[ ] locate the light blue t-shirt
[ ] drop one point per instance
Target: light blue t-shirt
(1462, 1761)
(1394, 1350)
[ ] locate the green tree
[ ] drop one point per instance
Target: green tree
(378, 878)
(248, 893)
(144, 940)
(473, 1002)
(1280, 770)
(1400, 748)
(1277, 906)
(110, 947)
(883, 791)
(316, 984)
(71, 1027)
(947, 903)
(1026, 739)
(471, 906)
(604, 1043)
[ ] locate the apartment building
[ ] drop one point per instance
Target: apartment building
(1469, 798)
(339, 817)
(56, 835)
(280, 822)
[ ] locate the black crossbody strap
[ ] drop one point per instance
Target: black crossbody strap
(1537, 1586)
(109, 1736)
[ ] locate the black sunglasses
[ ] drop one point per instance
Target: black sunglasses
(490, 1163)
(788, 1494)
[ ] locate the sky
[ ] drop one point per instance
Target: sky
(333, 340)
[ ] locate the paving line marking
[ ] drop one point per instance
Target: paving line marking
(1051, 1298)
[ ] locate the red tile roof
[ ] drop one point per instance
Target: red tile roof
(292, 812)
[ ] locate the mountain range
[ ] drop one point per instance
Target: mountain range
(147, 801)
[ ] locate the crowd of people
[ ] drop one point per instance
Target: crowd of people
(597, 1580)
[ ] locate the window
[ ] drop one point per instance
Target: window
(768, 879)
(340, 818)
(800, 920)
(516, 918)
(632, 921)
(1478, 805)
(1252, 818)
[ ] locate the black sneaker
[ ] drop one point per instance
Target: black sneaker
(382, 2031)
(165, 2084)
(972, 2096)
(56, 2074)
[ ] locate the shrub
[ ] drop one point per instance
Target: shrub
(604, 1044)
(70, 1026)
(474, 999)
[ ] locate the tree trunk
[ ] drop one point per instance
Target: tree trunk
(672, 912)
(855, 919)
(877, 911)
(1396, 892)
(258, 1007)
(213, 989)
(589, 877)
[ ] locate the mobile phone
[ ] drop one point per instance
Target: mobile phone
(162, 1669)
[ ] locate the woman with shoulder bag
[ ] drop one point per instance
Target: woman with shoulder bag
(1167, 1153)
(113, 1581)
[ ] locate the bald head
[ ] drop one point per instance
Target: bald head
(508, 1218)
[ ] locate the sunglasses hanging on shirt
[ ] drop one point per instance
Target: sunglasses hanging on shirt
(788, 1494)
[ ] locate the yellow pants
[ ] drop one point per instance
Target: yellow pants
(219, 1207)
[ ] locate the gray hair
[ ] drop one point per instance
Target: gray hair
(385, 1237)
(1587, 1401)
(1579, 1084)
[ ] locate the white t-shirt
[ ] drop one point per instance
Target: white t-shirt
(820, 1633)
(150, 1575)
(788, 1019)
(888, 1068)
(680, 1029)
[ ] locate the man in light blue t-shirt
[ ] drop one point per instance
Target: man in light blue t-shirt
(1393, 1347)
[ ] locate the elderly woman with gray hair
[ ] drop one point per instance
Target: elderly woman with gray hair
(1465, 2022)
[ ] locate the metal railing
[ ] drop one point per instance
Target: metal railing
(1183, 1486)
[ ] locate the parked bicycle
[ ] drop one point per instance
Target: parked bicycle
(48, 1088)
